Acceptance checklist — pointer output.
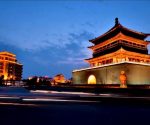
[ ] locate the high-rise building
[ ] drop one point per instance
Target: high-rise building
(9, 67)
(119, 50)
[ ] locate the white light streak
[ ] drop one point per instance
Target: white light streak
(54, 100)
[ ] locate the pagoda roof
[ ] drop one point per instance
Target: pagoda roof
(117, 49)
(6, 53)
(112, 50)
(117, 28)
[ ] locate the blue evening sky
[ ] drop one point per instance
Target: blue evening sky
(51, 37)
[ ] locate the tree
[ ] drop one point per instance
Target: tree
(1, 80)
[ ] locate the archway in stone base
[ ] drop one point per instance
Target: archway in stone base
(91, 79)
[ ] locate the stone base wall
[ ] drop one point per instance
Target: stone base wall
(137, 74)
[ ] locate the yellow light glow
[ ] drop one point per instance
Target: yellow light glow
(91, 79)
(5, 77)
(11, 76)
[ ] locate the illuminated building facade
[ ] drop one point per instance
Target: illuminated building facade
(59, 78)
(119, 49)
(9, 67)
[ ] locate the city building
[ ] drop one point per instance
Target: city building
(10, 69)
(39, 81)
(59, 78)
(118, 50)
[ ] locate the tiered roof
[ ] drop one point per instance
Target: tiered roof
(119, 37)
(117, 28)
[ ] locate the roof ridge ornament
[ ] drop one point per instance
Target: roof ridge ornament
(116, 21)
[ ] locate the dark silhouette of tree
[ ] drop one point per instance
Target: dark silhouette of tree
(1, 80)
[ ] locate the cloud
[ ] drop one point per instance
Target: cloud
(71, 44)
(89, 24)
(79, 37)
(82, 40)
(76, 51)
(148, 46)
(52, 53)
(40, 61)
(71, 60)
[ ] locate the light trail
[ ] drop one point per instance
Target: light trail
(62, 92)
(9, 97)
(17, 104)
(54, 100)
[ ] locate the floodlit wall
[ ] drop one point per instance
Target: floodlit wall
(137, 74)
